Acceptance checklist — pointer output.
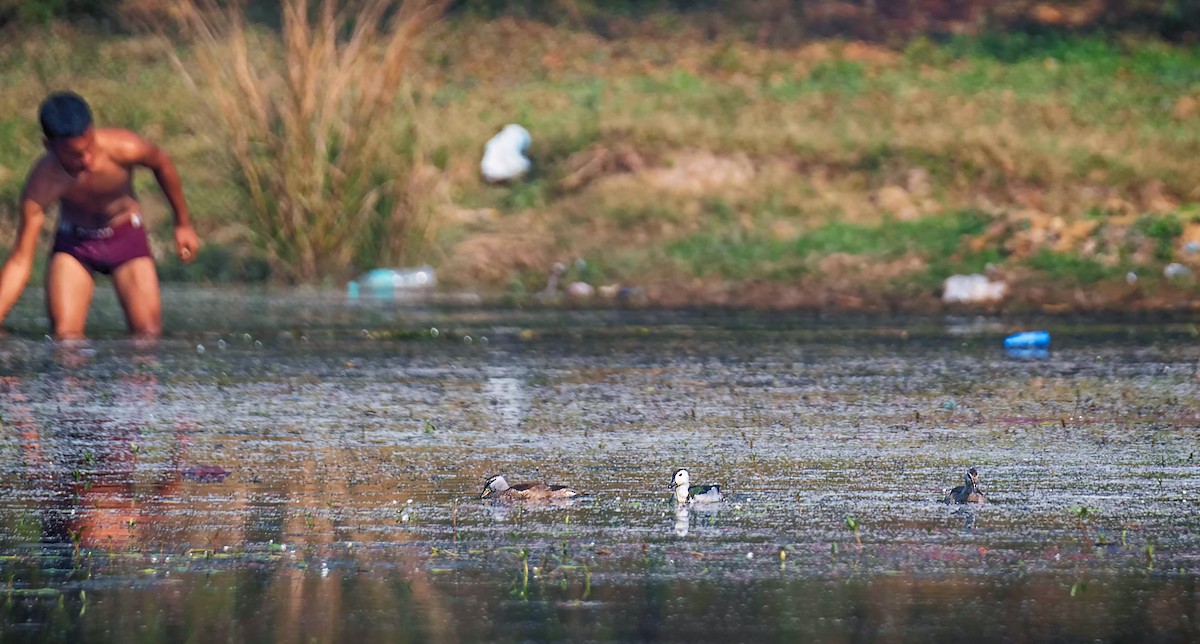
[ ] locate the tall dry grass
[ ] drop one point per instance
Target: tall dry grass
(318, 123)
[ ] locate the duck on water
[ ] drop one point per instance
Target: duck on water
(497, 487)
(969, 491)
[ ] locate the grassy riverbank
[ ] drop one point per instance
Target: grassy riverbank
(833, 174)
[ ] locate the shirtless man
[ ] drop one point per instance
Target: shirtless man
(88, 171)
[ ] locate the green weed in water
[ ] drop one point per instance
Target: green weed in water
(852, 524)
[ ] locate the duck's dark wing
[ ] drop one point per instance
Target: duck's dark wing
(955, 495)
(526, 487)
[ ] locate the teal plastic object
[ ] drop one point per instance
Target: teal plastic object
(1028, 340)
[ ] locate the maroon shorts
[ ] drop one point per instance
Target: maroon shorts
(102, 250)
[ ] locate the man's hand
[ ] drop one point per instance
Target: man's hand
(186, 243)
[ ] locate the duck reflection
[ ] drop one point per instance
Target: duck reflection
(504, 511)
(683, 520)
(685, 514)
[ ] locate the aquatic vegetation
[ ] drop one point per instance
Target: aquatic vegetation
(1083, 515)
(852, 524)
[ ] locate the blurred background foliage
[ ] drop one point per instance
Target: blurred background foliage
(740, 152)
(781, 22)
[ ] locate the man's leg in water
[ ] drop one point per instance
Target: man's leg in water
(69, 288)
(136, 283)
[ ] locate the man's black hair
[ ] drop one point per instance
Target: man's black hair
(64, 115)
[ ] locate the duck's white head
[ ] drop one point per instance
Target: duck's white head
(496, 485)
(680, 483)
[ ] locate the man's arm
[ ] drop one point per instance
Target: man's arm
(151, 156)
(15, 274)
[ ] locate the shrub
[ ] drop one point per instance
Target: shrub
(312, 124)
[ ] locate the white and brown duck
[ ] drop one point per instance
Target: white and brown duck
(498, 488)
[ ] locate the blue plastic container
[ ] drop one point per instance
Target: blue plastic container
(1028, 340)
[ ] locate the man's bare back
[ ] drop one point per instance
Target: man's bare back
(88, 172)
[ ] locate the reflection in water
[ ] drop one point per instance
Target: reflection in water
(683, 519)
(504, 510)
(106, 479)
(281, 602)
(508, 397)
(968, 517)
(705, 515)
(1034, 353)
(84, 464)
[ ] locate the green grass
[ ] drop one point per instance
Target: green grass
(1079, 269)
(751, 256)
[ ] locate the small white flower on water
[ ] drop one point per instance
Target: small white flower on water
(749, 555)
(467, 339)
(225, 549)
(221, 344)
(199, 348)
(408, 501)
(404, 516)
(246, 337)
(258, 344)
(434, 332)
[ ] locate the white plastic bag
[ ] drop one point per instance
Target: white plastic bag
(972, 288)
(504, 155)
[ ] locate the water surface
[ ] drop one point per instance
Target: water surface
(293, 467)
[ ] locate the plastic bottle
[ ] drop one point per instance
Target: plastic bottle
(390, 282)
(1028, 340)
